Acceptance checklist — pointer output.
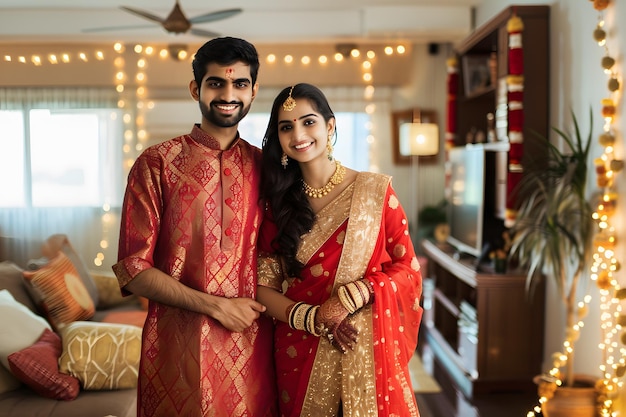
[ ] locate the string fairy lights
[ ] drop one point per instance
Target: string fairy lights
(605, 263)
(129, 64)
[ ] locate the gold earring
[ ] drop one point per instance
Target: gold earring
(284, 160)
(329, 148)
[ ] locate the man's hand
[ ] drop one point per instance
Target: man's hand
(237, 314)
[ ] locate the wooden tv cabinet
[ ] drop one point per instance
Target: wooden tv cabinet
(483, 329)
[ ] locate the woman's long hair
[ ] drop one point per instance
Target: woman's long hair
(281, 188)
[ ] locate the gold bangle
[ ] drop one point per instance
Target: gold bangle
(363, 291)
(311, 321)
(300, 319)
(354, 292)
(288, 312)
(296, 316)
(346, 300)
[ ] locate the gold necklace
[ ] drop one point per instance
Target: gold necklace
(337, 178)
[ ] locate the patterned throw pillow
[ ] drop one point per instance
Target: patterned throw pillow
(19, 328)
(64, 298)
(102, 356)
(37, 366)
(61, 243)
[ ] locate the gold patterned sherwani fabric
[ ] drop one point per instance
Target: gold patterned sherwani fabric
(191, 210)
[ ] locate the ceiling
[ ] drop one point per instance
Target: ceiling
(261, 22)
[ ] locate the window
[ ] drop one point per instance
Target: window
(12, 159)
(61, 157)
(351, 147)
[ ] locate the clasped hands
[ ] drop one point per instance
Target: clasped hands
(331, 318)
(332, 321)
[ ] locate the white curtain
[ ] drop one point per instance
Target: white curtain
(92, 231)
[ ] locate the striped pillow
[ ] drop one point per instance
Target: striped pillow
(64, 298)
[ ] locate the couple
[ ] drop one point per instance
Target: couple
(329, 323)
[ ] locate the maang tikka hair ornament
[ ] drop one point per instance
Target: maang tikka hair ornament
(290, 103)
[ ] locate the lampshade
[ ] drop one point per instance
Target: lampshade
(419, 139)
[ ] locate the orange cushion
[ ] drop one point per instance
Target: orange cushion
(136, 318)
(60, 243)
(64, 298)
(38, 367)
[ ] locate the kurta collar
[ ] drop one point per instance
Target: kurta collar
(207, 140)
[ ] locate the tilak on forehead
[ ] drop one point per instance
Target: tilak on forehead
(229, 73)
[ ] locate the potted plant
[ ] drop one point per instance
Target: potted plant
(553, 231)
(432, 223)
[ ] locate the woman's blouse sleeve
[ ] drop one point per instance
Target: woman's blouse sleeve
(269, 266)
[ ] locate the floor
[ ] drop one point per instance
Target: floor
(452, 403)
(493, 405)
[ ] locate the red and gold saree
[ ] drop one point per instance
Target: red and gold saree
(362, 233)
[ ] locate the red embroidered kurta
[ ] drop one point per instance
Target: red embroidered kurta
(362, 233)
(191, 210)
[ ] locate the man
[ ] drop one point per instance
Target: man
(188, 244)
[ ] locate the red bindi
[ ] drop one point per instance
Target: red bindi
(229, 73)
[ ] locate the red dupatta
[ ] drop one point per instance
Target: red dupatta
(373, 243)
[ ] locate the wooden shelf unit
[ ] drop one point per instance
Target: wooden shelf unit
(500, 348)
(492, 38)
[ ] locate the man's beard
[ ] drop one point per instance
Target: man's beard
(218, 120)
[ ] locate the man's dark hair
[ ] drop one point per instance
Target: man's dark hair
(225, 51)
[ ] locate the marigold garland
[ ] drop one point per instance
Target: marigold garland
(605, 263)
(515, 115)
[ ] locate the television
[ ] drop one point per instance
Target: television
(465, 193)
(476, 197)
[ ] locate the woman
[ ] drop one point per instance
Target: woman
(347, 318)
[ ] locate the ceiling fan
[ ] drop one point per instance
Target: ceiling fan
(176, 22)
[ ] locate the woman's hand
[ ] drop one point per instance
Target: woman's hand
(332, 320)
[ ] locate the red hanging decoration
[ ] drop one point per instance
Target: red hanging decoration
(515, 98)
(452, 88)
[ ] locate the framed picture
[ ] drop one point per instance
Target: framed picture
(476, 73)
(408, 116)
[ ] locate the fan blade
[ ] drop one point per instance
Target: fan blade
(213, 16)
(203, 33)
(143, 14)
(112, 28)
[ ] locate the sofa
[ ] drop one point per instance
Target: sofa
(69, 341)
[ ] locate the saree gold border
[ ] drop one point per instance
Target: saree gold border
(357, 366)
(327, 221)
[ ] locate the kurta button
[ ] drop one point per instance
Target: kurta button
(228, 232)
(227, 171)
(228, 201)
